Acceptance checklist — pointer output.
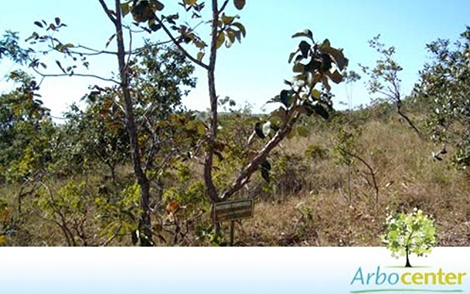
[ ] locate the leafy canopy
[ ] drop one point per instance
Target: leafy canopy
(413, 232)
(445, 89)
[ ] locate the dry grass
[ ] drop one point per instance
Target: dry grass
(407, 175)
(333, 204)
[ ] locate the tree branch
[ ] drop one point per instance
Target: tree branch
(371, 172)
(108, 12)
(186, 53)
(223, 6)
(76, 75)
(245, 175)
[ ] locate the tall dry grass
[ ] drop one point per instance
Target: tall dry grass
(334, 211)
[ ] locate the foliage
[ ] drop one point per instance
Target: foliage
(384, 78)
(24, 129)
(4, 220)
(68, 208)
(348, 151)
(445, 87)
(410, 233)
(316, 152)
(9, 47)
(118, 213)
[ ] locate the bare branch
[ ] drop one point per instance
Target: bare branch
(245, 175)
(43, 75)
(371, 172)
(108, 12)
(223, 6)
(186, 53)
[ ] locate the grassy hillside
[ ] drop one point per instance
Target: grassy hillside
(325, 212)
(316, 196)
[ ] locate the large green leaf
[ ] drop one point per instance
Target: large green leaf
(259, 130)
(286, 98)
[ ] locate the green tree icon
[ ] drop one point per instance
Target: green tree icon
(410, 233)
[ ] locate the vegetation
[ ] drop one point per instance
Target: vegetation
(132, 166)
(410, 233)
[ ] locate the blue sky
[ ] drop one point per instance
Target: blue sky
(254, 70)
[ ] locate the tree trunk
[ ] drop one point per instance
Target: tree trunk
(145, 231)
(408, 264)
(211, 190)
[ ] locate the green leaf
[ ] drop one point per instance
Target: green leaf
(335, 76)
(220, 40)
(125, 9)
(155, 27)
(337, 55)
(292, 55)
(280, 113)
(266, 128)
(230, 38)
(60, 66)
(265, 168)
(156, 5)
(259, 130)
(240, 27)
(316, 94)
(110, 39)
(304, 48)
(266, 165)
(239, 4)
(200, 56)
(227, 19)
(305, 33)
(286, 98)
(321, 111)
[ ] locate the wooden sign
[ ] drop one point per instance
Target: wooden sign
(233, 210)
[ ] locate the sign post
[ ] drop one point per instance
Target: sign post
(232, 211)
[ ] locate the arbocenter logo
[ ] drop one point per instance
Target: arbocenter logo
(405, 235)
(388, 280)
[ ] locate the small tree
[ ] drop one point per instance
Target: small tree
(314, 65)
(410, 233)
(384, 80)
(444, 88)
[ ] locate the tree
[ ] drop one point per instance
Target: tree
(384, 79)
(24, 127)
(128, 98)
(410, 233)
(314, 64)
(444, 89)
